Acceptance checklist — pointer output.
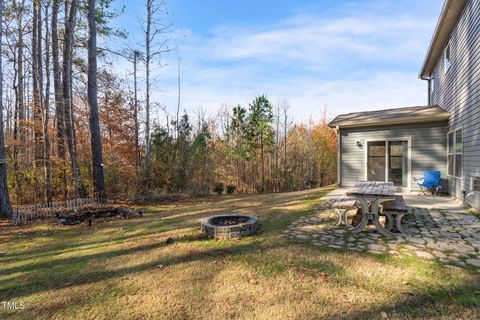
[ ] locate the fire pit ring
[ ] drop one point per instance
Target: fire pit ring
(229, 226)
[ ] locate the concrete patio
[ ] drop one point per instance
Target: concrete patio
(413, 200)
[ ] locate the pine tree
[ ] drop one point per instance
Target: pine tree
(96, 141)
(261, 134)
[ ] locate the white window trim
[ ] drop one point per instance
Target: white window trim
(454, 131)
(409, 155)
(472, 183)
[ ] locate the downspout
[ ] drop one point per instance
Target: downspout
(429, 89)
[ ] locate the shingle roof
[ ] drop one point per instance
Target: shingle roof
(391, 116)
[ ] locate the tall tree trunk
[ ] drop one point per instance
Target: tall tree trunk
(36, 93)
(16, 134)
(136, 54)
(138, 161)
(277, 150)
(263, 161)
(67, 94)
(57, 84)
(148, 40)
(96, 141)
(35, 81)
(20, 83)
(46, 115)
(5, 207)
(19, 131)
(285, 140)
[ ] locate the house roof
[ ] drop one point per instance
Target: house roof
(451, 12)
(390, 117)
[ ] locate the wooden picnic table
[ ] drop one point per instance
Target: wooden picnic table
(370, 195)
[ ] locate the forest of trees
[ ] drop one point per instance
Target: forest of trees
(73, 128)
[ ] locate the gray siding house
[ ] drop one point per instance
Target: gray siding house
(399, 144)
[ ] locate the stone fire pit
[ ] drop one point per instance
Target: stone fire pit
(229, 226)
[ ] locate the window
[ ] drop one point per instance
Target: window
(376, 160)
(455, 153)
(459, 153)
(475, 184)
(447, 57)
(451, 157)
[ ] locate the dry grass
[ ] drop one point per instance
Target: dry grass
(122, 270)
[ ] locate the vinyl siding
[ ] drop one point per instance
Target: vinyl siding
(458, 91)
(428, 148)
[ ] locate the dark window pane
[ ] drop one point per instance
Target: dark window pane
(448, 57)
(376, 161)
(396, 162)
(458, 166)
(376, 148)
(376, 169)
(396, 150)
(450, 142)
(450, 165)
(476, 184)
(458, 141)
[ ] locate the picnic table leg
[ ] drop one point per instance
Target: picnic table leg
(401, 228)
(390, 220)
(345, 218)
(375, 217)
(365, 215)
(342, 217)
(339, 217)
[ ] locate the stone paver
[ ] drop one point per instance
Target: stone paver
(452, 238)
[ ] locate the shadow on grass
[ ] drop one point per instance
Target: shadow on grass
(151, 224)
(431, 303)
(36, 278)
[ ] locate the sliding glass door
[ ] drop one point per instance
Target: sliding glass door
(387, 160)
(376, 163)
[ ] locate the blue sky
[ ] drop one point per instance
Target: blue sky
(345, 55)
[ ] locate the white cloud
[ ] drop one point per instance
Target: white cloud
(349, 62)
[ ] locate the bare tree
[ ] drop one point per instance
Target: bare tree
(136, 56)
(277, 149)
(153, 31)
(46, 114)
(57, 84)
(286, 125)
(179, 94)
(5, 207)
(96, 141)
(19, 86)
(70, 22)
(37, 87)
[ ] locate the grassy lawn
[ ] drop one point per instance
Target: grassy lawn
(123, 270)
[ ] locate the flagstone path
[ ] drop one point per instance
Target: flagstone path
(452, 238)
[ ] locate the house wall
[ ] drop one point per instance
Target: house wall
(428, 148)
(458, 91)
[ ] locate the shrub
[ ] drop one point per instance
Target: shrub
(231, 188)
(218, 188)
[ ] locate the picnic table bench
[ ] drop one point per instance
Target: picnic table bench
(373, 199)
(370, 196)
(342, 206)
(395, 210)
